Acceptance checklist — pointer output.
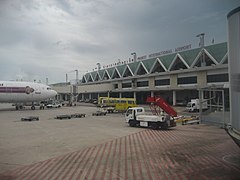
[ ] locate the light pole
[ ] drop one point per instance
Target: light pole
(76, 90)
(201, 44)
(66, 78)
(76, 77)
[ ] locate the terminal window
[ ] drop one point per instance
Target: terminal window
(126, 85)
(162, 82)
(217, 78)
(142, 84)
(187, 80)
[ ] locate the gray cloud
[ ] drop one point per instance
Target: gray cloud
(44, 38)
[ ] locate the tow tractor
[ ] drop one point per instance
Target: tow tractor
(30, 118)
(162, 115)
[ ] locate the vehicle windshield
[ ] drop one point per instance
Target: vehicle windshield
(189, 104)
(129, 111)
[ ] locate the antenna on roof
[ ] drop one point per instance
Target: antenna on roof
(201, 36)
(213, 41)
(98, 66)
(134, 56)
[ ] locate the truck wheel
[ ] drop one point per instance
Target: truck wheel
(132, 123)
(155, 126)
(164, 126)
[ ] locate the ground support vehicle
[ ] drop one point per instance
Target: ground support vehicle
(187, 120)
(99, 113)
(69, 116)
(54, 105)
(77, 115)
(65, 116)
(117, 104)
(194, 105)
(30, 118)
(162, 115)
(137, 117)
(158, 105)
(19, 106)
(110, 109)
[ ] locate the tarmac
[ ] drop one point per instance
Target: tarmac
(105, 147)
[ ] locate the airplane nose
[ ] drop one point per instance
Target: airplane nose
(54, 92)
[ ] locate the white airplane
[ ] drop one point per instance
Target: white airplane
(20, 92)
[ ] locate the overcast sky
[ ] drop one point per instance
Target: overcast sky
(42, 39)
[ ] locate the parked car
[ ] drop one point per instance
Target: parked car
(95, 101)
(92, 100)
(87, 100)
(62, 102)
(54, 105)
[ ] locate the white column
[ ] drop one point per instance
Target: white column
(90, 96)
(233, 67)
(174, 98)
(135, 95)
(152, 94)
(120, 94)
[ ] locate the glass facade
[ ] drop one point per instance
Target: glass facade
(142, 84)
(162, 82)
(217, 78)
(187, 80)
(126, 85)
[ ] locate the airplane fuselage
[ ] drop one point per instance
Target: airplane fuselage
(22, 92)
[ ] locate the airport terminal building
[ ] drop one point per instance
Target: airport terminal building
(176, 76)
